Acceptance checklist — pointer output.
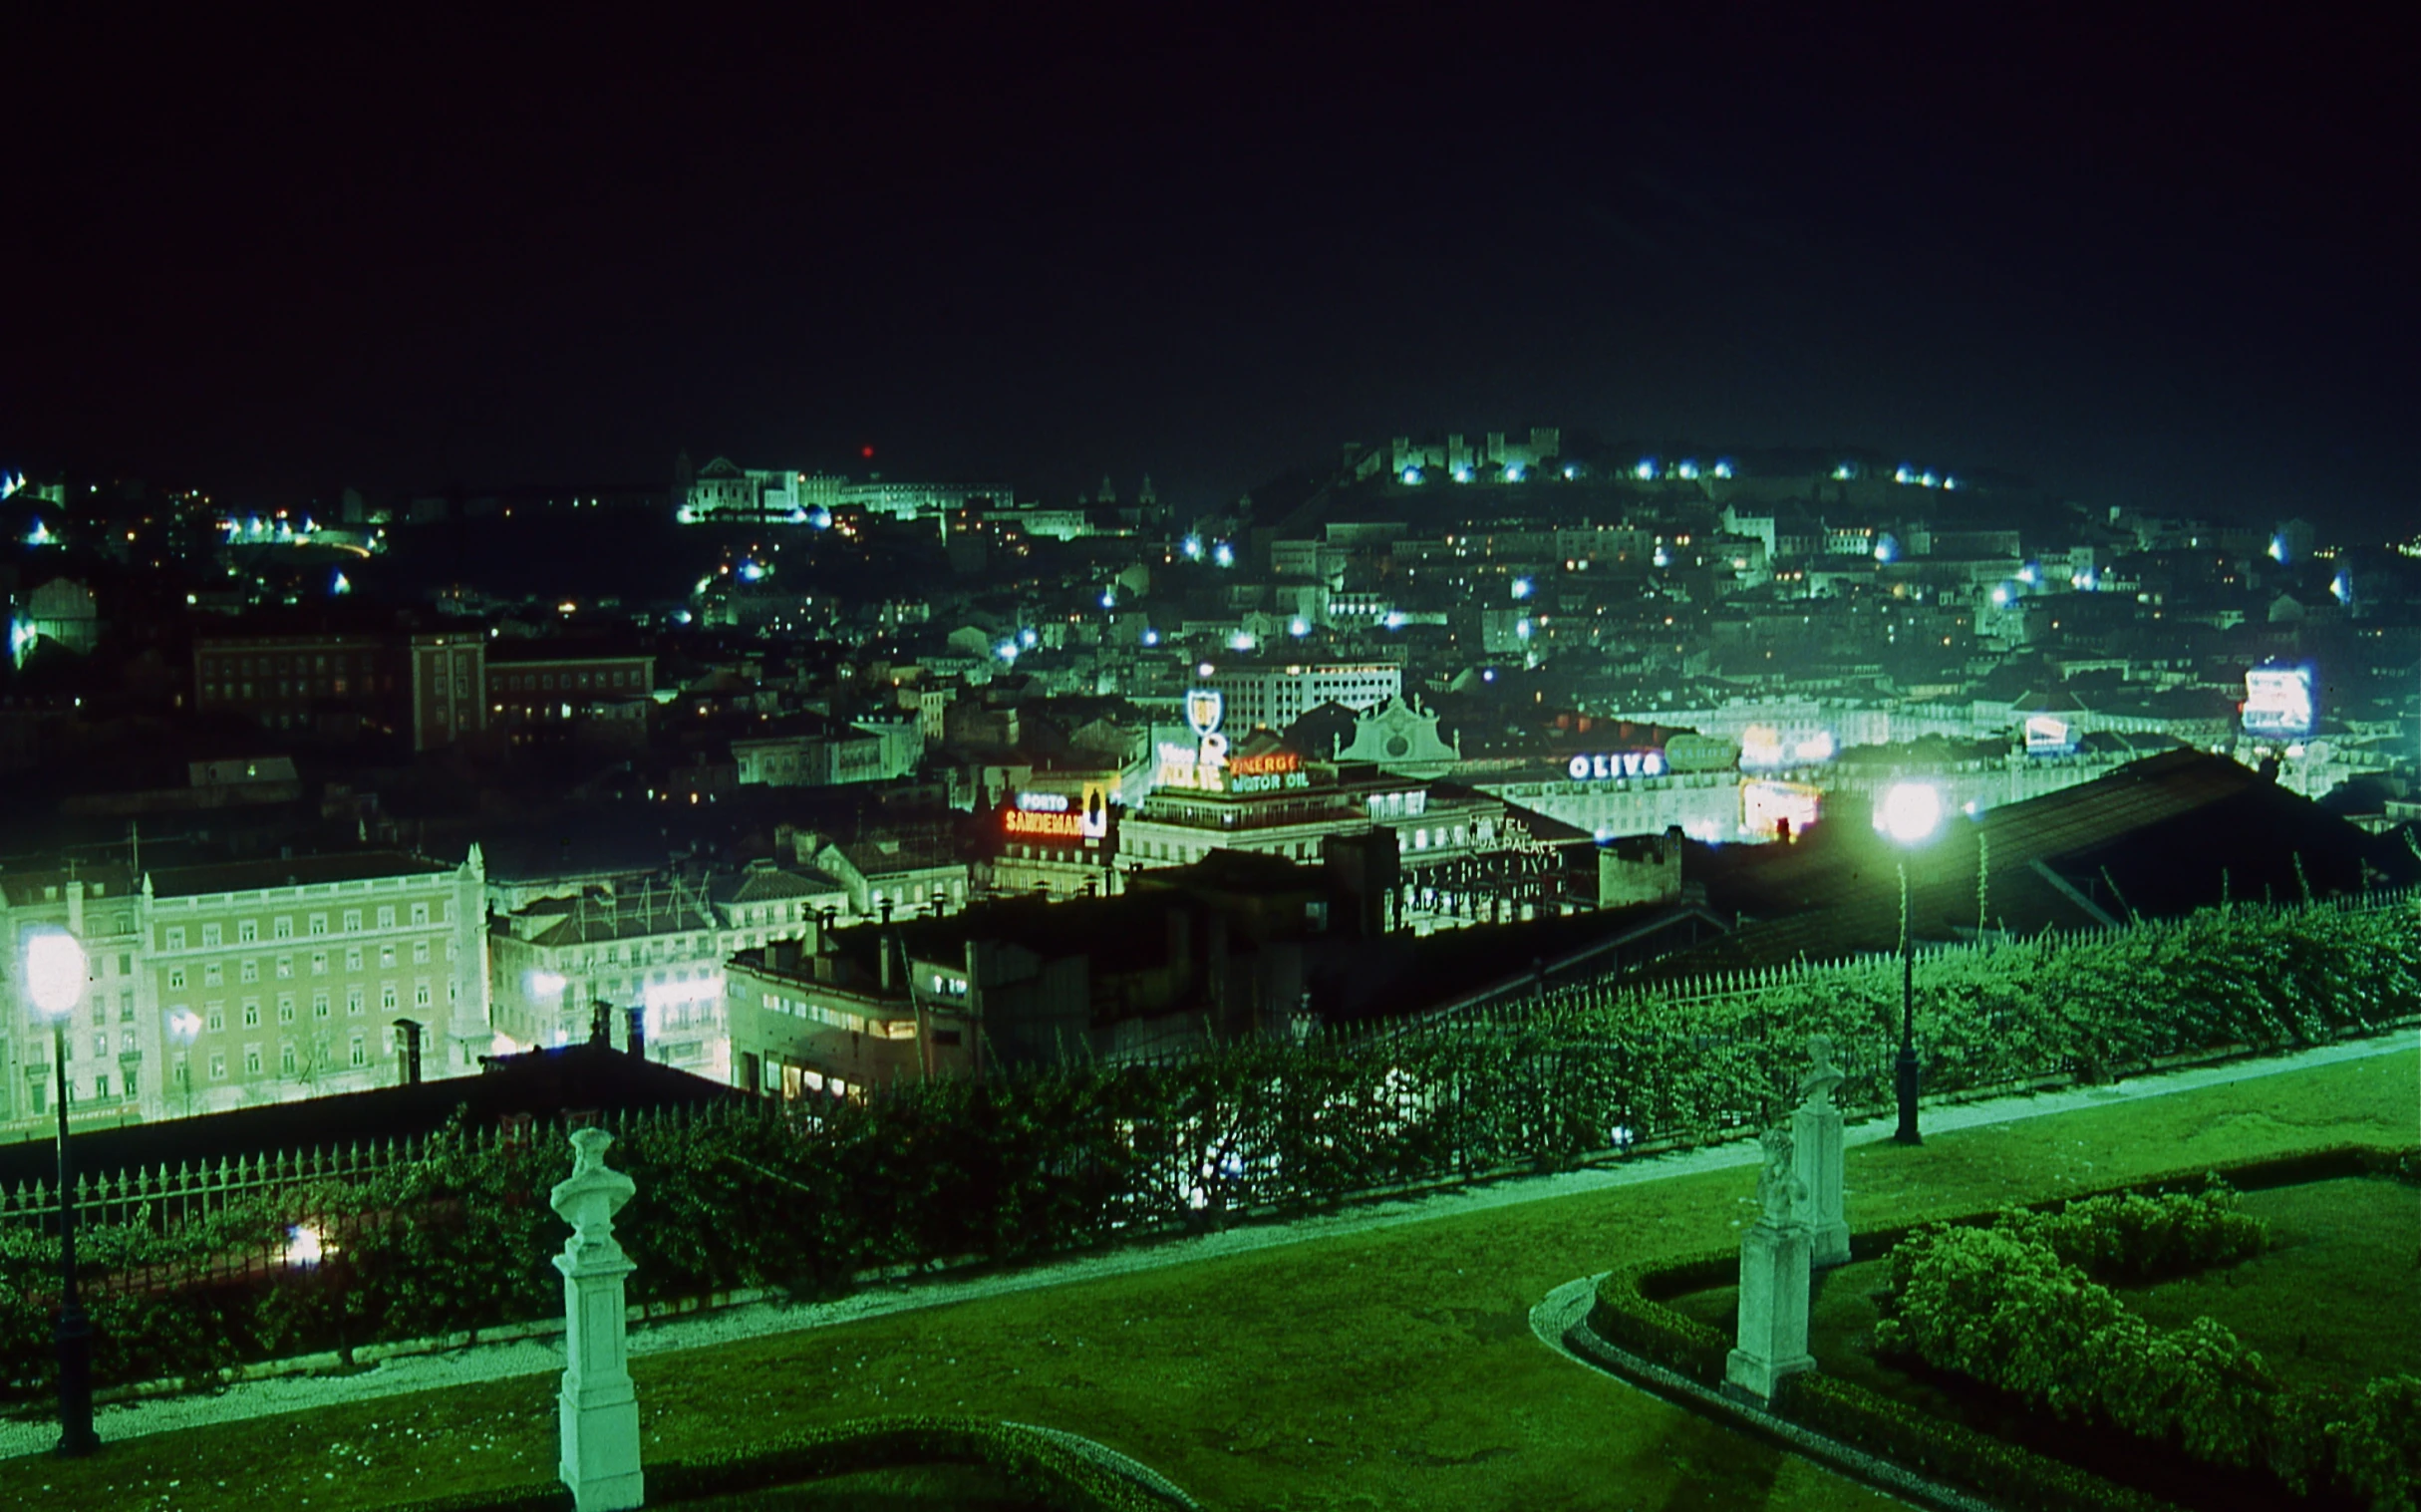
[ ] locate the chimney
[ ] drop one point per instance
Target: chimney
(409, 1028)
(74, 909)
(638, 1036)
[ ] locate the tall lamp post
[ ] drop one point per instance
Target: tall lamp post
(185, 1026)
(1910, 813)
(55, 979)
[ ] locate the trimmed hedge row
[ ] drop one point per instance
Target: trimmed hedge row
(1054, 1474)
(2013, 1476)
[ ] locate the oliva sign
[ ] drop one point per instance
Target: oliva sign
(1605, 766)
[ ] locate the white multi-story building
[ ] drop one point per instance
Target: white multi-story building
(658, 947)
(251, 982)
(1274, 695)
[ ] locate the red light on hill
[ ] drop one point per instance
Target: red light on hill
(867, 452)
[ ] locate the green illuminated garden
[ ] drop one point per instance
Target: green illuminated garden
(1392, 1368)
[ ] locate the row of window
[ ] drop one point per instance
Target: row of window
(213, 972)
(247, 931)
(289, 1059)
(231, 666)
(534, 682)
(303, 687)
(856, 1023)
(215, 1011)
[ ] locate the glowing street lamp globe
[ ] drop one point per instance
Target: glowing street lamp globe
(54, 973)
(1910, 812)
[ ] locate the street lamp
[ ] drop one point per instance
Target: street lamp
(1910, 813)
(55, 979)
(185, 1026)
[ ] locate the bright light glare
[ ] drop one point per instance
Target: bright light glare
(543, 984)
(185, 1024)
(1910, 812)
(54, 972)
(1521, 587)
(1223, 555)
(1645, 472)
(305, 1245)
(1299, 626)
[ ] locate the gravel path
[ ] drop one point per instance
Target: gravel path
(33, 1429)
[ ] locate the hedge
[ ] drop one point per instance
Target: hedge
(809, 1198)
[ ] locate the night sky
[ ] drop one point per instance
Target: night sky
(2166, 262)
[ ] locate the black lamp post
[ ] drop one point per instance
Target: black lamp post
(1903, 1068)
(55, 968)
(1910, 813)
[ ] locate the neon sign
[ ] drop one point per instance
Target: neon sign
(1043, 802)
(1044, 823)
(1608, 765)
(1265, 764)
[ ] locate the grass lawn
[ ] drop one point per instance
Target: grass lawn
(2338, 1302)
(1390, 1368)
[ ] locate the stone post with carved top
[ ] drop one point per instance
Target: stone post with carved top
(600, 1406)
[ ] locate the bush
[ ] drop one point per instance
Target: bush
(2003, 1306)
(2135, 1236)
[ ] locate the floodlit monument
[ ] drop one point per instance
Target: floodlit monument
(1773, 1280)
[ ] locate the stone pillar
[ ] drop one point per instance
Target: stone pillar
(1816, 1136)
(1773, 1282)
(599, 1406)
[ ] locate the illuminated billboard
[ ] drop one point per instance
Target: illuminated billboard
(2278, 702)
(2047, 735)
(1609, 765)
(1779, 810)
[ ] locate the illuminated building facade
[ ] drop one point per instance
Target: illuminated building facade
(660, 949)
(536, 681)
(1272, 696)
(1464, 857)
(292, 977)
(229, 986)
(723, 492)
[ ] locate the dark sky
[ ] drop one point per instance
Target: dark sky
(2164, 259)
